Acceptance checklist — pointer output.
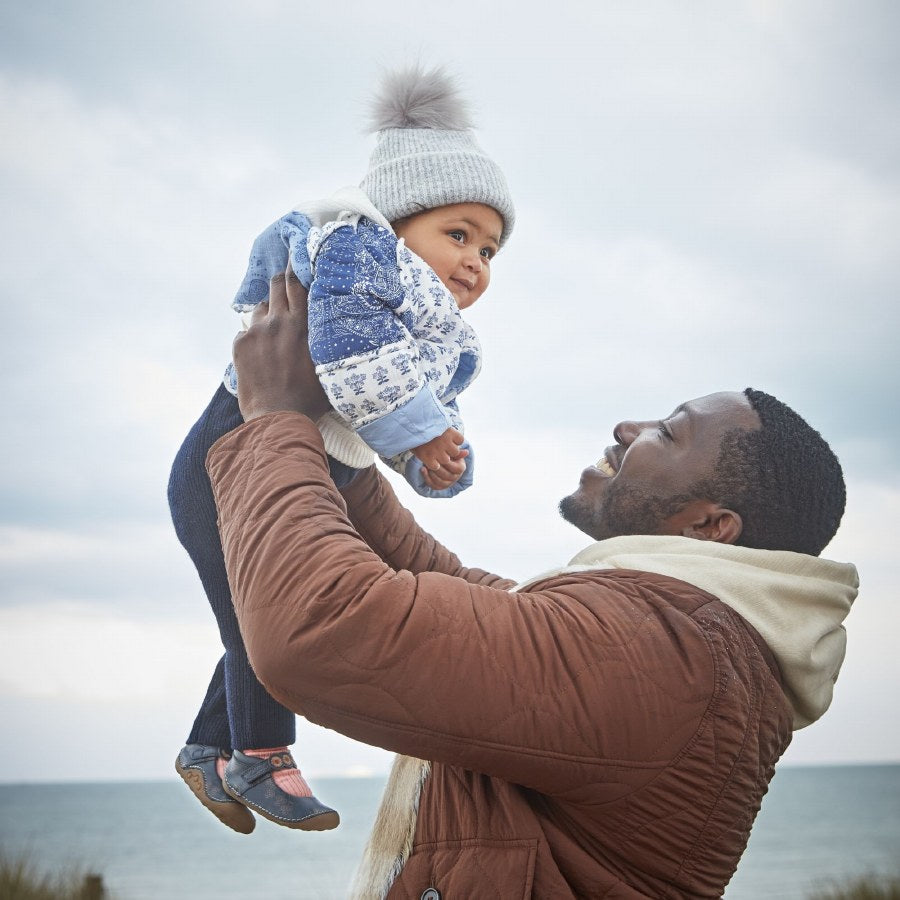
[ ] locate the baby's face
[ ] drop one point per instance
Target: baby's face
(458, 242)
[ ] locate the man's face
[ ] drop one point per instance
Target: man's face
(644, 483)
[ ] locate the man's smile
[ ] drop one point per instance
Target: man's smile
(608, 464)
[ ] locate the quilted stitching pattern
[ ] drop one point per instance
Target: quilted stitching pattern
(627, 722)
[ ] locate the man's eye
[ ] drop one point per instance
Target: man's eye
(664, 431)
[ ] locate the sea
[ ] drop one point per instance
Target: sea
(153, 841)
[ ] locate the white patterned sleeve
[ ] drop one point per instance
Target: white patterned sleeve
(361, 339)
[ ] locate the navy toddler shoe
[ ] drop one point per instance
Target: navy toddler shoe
(249, 780)
(196, 764)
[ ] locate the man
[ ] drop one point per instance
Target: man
(606, 730)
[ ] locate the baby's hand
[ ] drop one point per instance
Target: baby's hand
(442, 459)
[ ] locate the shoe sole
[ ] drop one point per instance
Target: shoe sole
(321, 822)
(234, 814)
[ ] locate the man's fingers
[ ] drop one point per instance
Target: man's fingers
(260, 311)
(297, 295)
(278, 300)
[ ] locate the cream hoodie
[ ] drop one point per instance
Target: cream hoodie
(796, 602)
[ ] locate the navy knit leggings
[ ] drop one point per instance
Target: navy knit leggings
(236, 711)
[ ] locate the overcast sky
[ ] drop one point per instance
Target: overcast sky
(708, 198)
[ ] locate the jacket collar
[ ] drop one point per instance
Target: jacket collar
(796, 602)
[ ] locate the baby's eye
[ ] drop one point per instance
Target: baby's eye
(488, 252)
(458, 235)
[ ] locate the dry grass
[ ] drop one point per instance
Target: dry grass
(866, 887)
(20, 879)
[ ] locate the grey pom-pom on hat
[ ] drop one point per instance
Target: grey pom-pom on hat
(426, 155)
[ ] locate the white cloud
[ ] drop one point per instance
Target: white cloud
(74, 652)
(811, 204)
(863, 534)
(26, 546)
(132, 566)
(102, 678)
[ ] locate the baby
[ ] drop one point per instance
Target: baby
(389, 267)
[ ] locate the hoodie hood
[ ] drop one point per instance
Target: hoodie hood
(796, 602)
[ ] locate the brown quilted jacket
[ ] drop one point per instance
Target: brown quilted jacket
(604, 734)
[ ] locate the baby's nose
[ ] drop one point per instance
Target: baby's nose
(474, 260)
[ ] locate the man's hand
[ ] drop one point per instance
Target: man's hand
(275, 371)
(443, 461)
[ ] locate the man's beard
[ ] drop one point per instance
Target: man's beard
(624, 510)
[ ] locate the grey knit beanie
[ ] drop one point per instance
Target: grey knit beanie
(426, 155)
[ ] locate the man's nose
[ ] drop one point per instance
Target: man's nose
(626, 432)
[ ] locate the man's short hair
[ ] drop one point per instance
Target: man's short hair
(783, 479)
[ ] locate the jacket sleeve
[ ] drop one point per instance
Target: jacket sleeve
(390, 530)
(431, 661)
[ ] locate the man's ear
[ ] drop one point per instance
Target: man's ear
(711, 522)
